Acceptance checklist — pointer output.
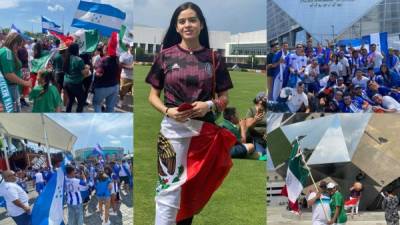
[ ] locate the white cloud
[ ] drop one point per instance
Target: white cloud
(9, 4)
(55, 8)
(35, 20)
(112, 137)
(126, 136)
(115, 142)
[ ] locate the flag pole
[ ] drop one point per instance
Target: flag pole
(312, 179)
(46, 141)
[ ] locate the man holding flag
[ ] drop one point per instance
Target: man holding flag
(319, 200)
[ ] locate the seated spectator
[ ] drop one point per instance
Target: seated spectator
(295, 98)
(232, 123)
(390, 78)
(256, 123)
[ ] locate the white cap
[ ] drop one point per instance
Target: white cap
(330, 185)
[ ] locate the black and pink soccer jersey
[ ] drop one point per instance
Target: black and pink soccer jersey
(187, 77)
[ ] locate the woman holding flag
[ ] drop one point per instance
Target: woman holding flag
(193, 153)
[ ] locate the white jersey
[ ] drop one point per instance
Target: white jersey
(122, 172)
(318, 214)
(363, 82)
(296, 100)
(39, 177)
(127, 59)
(12, 192)
(73, 188)
(390, 103)
(297, 62)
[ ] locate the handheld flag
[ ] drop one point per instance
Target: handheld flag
(49, 25)
(102, 17)
(87, 40)
(124, 37)
(66, 39)
(296, 176)
(48, 207)
(97, 150)
(42, 62)
(380, 39)
(14, 29)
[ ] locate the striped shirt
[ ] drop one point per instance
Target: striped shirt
(73, 187)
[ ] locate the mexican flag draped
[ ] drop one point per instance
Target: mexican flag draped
(87, 40)
(296, 176)
(193, 160)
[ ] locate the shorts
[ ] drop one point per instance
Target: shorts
(239, 151)
(39, 187)
(103, 198)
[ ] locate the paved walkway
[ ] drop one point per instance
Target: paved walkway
(278, 215)
(124, 217)
(127, 106)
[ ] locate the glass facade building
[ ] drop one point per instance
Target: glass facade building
(384, 17)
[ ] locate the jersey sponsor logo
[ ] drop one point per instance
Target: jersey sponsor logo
(8, 54)
(175, 66)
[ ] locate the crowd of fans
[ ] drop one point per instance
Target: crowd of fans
(333, 78)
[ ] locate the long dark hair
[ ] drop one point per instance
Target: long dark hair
(73, 49)
(47, 77)
(37, 50)
(172, 37)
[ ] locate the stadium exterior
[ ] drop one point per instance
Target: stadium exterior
(235, 47)
(383, 17)
(109, 152)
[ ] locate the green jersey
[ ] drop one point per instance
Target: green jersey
(7, 64)
(47, 102)
(337, 200)
(74, 75)
(232, 128)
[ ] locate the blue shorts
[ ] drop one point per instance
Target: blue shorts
(39, 187)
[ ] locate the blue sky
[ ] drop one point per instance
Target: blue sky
(228, 15)
(25, 14)
(115, 130)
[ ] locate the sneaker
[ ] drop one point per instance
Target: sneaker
(106, 223)
(263, 158)
(113, 213)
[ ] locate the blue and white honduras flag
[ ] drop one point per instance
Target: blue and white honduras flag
(48, 25)
(380, 39)
(95, 16)
(48, 207)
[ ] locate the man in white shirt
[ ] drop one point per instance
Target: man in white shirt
(319, 201)
(126, 62)
(124, 175)
(360, 80)
(17, 201)
(297, 63)
(295, 99)
(73, 188)
(375, 57)
(311, 75)
(386, 104)
(39, 181)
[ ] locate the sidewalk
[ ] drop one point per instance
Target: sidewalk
(124, 217)
(127, 106)
(278, 215)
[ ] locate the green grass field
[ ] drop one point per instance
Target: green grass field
(240, 199)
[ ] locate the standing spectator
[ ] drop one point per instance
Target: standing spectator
(338, 214)
(390, 205)
(319, 200)
(271, 68)
(11, 66)
(375, 57)
(297, 63)
(16, 199)
(39, 181)
(126, 63)
(75, 70)
(73, 188)
(106, 84)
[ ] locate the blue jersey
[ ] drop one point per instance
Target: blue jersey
(102, 188)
